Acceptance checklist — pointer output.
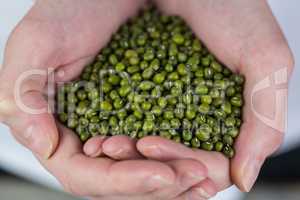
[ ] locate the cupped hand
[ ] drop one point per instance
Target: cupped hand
(245, 36)
(60, 37)
(64, 35)
(55, 38)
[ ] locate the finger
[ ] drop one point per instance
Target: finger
(37, 131)
(188, 173)
(121, 148)
(69, 71)
(164, 150)
(84, 176)
(202, 191)
(93, 147)
(264, 124)
(116, 147)
(250, 157)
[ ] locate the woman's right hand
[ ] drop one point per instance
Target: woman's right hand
(65, 35)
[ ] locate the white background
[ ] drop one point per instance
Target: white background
(16, 159)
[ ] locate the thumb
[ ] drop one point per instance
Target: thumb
(30, 122)
(262, 132)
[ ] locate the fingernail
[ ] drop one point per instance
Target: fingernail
(112, 149)
(202, 193)
(250, 174)
(153, 150)
(38, 141)
(93, 151)
(157, 181)
(94, 146)
(118, 152)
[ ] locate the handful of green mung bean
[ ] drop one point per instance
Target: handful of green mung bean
(155, 77)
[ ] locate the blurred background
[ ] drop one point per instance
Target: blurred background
(21, 177)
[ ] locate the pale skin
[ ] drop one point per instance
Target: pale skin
(67, 34)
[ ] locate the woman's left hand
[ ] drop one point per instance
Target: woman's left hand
(245, 36)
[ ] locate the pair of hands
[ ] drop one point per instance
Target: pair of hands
(67, 34)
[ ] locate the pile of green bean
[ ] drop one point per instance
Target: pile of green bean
(156, 78)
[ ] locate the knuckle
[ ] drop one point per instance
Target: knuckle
(6, 104)
(290, 61)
